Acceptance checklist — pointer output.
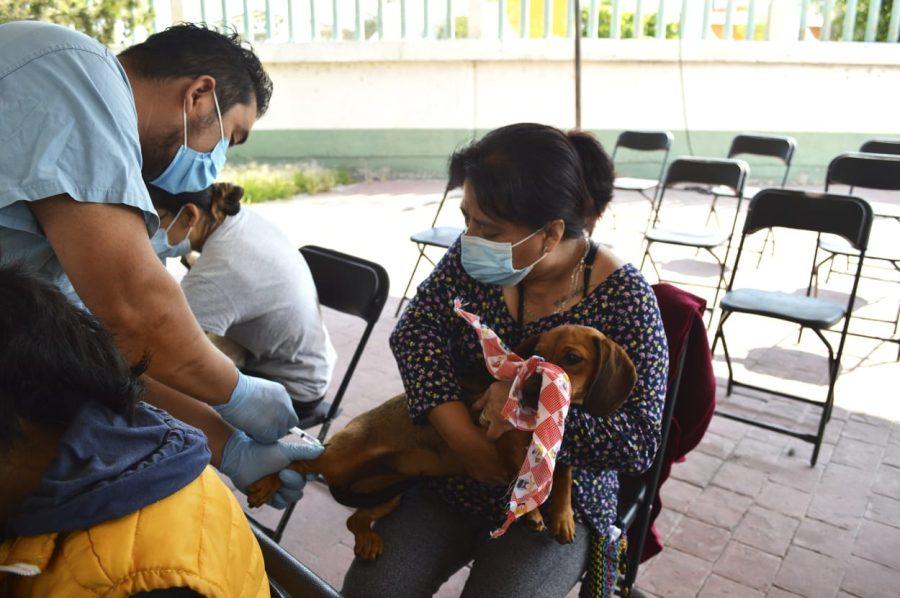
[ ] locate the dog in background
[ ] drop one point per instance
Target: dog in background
(380, 453)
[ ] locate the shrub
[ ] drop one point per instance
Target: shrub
(267, 182)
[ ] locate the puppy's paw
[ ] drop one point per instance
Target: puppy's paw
(563, 527)
(368, 545)
(534, 521)
(260, 491)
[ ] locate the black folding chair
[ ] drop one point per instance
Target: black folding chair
(844, 215)
(881, 146)
(353, 286)
(643, 141)
(436, 236)
(711, 172)
(638, 493)
(779, 147)
(862, 171)
(288, 577)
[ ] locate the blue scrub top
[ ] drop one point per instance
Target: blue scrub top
(68, 125)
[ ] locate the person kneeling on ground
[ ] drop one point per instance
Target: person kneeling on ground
(102, 493)
(251, 292)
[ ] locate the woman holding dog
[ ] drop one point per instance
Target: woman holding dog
(525, 265)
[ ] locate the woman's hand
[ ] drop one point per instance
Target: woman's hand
(488, 409)
(482, 460)
(478, 454)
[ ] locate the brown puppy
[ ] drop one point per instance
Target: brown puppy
(380, 451)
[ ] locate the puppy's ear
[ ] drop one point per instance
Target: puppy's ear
(614, 380)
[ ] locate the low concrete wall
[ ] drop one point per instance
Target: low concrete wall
(404, 106)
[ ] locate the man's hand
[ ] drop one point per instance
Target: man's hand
(259, 407)
(488, 409)
(244, 461)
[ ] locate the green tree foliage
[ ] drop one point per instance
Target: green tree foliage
(96, 18)
(626, 26)
(862, 17)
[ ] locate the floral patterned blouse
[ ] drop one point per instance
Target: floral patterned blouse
(431, 344)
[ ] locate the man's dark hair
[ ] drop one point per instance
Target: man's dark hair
(532, 174)
(55, 358)
(191, 50)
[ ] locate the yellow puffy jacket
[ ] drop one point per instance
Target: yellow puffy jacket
(196, 538)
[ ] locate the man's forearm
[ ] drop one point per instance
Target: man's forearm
(133, 296)
(191, 412)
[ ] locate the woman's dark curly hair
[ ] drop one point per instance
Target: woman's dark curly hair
(532, 174)
(219, 199)
(54, 358)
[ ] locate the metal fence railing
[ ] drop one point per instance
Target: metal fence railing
(358, 20)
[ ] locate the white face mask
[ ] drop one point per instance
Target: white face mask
(491, 262)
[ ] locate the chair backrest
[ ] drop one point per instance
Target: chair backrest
(870, 171)
(644, 141)
(678, 350)
(773, 146)
(455, 192)
(708, 171)
(347, 283)
(844, 215)
(289, 577)
(353, 286)
(881, 146)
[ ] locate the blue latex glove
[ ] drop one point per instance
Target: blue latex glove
(244, 461)
(259, 407)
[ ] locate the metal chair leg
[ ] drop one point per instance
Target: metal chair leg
(720, 333)
(409, 283)
(712, 211)
(826, 414)
(644, 257)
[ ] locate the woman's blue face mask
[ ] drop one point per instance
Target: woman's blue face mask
(491, 262)
(163, 248)
(191, 170)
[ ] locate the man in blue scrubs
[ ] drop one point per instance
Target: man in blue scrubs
(81, 131)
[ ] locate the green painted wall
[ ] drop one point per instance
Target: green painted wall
(424, 152)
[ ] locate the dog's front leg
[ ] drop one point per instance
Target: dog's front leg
(367, 544)
(562, 518)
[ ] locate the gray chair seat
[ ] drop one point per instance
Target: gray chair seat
(706, 239)
(811, 312)
(633, 184)
(839, 246)
(885, 210)
(723, 191)
(441, 236)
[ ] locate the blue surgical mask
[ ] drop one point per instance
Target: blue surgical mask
(491, 262)
(191, 170)
(164, 249)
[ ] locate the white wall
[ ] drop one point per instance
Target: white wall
(809, 87)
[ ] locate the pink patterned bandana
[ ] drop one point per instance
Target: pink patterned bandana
(535, 479)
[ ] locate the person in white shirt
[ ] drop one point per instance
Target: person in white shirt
(251, 292)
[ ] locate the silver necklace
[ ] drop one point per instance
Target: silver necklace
(577, 273)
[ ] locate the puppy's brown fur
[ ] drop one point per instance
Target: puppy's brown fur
(382, 448)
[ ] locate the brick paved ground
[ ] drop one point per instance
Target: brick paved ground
(745, 515)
